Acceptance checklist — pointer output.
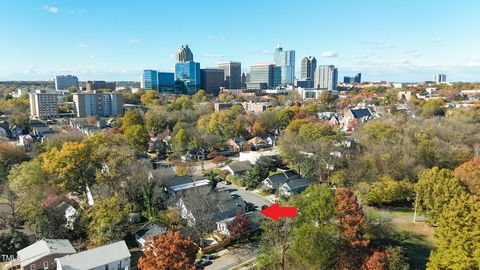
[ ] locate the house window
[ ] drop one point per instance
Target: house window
(119, 265)
(32, 267)
(106, 267)
(45, 265)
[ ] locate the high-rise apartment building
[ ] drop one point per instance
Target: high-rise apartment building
(98, 85)
(187, 76)
(440, 78)
(308, 66)
(184, 54)
(326, 77)
(233, 74)
(98, 104)
(43, 105)
(63, 82)
(266, 73)
(286, 61)
(212, 79)
(157, 80)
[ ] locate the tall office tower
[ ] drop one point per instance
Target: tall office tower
(150, 79)
(187, 76)
(265, 73)
(326, 77)
(358, 78)
(142, 81)
(157, 80)
(440, 78)
(43, 105)
(308, 66)
(98, 104)
(286, 61)
(97, 85)
(233, 74)
(244, 80)
(184, 54)
(212, 79)
(355, 79)
(63, 82)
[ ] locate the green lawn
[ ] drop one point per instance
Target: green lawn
(415, 237)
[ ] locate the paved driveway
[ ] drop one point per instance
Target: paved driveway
(248, 196)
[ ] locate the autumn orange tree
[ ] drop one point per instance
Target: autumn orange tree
(169, 251)
(351, 218)
(351, 224)
(469, 174)
(377, 261)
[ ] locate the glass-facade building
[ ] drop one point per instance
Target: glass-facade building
(286, 61)
(157, 80)
(150, 79)
(187, 76)
(166, 81)
(266, 73)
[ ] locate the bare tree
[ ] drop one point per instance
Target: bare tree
(200, 207)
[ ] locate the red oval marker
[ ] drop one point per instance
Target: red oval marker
(275, 211)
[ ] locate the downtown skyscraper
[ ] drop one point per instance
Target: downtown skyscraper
(233, 74)
(286, 61)
(308, 66)
(187, 72)
(326, 77)
(184, 54)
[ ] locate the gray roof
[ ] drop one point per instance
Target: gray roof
(151, 229)
(42, 248)
(240, 166)
(254, 217)
(299, 183)
(96, 257)
(281, 178)
(361, 113)
(166, 176)
(229, 208)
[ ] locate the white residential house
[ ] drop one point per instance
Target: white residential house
(276, 180)
(238, 167)
(295, 187)
(42, 254)
(113, 256)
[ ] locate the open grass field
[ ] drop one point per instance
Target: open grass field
(415, 237)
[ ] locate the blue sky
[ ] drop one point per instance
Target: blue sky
(394, 40)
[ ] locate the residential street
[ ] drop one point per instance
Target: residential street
(231, 257)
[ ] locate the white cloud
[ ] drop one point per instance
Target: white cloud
(378, 45)
(382, 46)
(212, 55)
(133, 40)
(77, 12)
(403, 61)
(92, 56)
(435, 40)
(50, 9)
(83, 45)
(329, 54)
(262, 52)
(474, 63)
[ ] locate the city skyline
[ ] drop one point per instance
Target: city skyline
(394, 41)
